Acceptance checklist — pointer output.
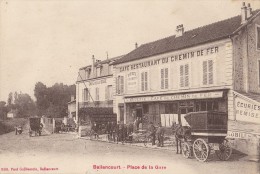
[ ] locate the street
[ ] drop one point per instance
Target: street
(65, 153)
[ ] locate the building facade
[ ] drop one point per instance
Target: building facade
(211, 68)
(94, 86)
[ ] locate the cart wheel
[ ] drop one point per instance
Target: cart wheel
(200, 150)
(224, 151)
(186, 150)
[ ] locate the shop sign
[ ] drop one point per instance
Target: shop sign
(131, 82)
(241, 135)
(205, 95)
(97, 82)
(171, 58)
(246, 110)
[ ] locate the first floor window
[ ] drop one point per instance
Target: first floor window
(109, 92)
(207, 67)
(85, 94)
(184, 75)
(258, 37)
(120, 84)
(97, 94)
(164, 78)
(259, 73)
(144, 81)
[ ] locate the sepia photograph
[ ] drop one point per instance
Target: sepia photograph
(129, 86)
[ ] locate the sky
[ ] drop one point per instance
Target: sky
(49, 40)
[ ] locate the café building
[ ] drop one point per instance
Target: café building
(211, 68)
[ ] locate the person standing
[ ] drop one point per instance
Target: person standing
(152, 131)
(160, 134)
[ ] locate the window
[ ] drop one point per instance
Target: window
(98, 72)
(144, 81)
(258, 37)
(110, 68)
(184, 75)
(259, 73)
(109, 92)
(85, 95)
(120, 84)
(164, 78)
(88, 73)
(207, 72)
(97, 94)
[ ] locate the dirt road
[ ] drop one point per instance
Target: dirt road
(64, 153)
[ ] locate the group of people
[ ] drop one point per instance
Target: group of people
(157, 133)
(123, 132)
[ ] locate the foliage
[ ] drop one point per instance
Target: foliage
(3, 110)
(53, 101)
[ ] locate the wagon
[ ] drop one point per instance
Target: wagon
(208, 130)
(35, 126)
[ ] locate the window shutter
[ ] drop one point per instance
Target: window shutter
(83, 99)
(258, 37)
(106, 93)
(142, 81)
(210, 71)
(166, 78)
(117, 85)
(122, 85)
(186, 75)
(181, 76)
(146, 81)
(205, 73)
(162, 78)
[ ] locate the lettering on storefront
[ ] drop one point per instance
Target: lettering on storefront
(97, 82)
(217, 94)
(246, 110)
(131, 82)
(172, 58)
(240, 135)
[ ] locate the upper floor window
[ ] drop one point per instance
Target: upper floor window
(85, 95)
(207, 72)
(88, 72)
(109, 92)
(98, 71)
(120, 84)
(110, 69)
(184, 75)
(259, 73)
(258, 37)
(144, 81)
(97, 94)
(164, 78)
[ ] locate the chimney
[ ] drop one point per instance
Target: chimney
(243, 13)
(179, 30)
(93, 64)
(249, 10)
(136, 45)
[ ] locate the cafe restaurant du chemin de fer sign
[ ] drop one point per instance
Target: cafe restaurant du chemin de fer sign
(213, 67)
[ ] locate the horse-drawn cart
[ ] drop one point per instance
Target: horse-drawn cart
(208, 130)
(35, 126)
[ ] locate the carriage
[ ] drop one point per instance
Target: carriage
(206, 133)
(35, 126)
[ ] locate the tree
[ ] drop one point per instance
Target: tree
(10, 99)
(3, 110)
(53, 101)
(25, 105)
(40, 93)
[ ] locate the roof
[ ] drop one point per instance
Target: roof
(208, 33)
(253, 96)
(103, 62)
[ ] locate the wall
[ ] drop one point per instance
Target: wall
(222, 74)
(245, 59)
